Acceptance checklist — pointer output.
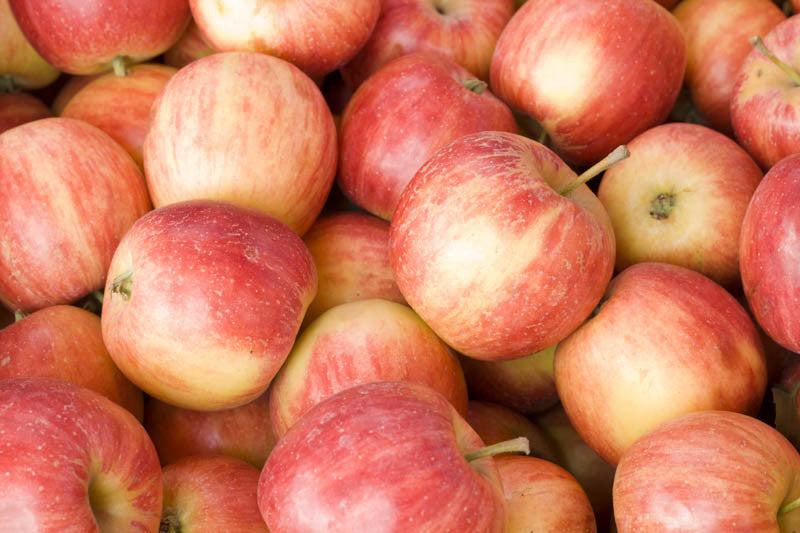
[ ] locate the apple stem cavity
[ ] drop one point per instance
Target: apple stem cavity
(759, 45)
(7, 84)
(618, 154)
(169, 523)
(518, 445)
(475, 85)
(122, 284)
(119, 65)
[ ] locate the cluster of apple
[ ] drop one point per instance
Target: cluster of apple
(338, 266)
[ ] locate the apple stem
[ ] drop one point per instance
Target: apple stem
(7, 84)
(169, 523)
(98, 295)
(759, 45)
(122, 284)
(791, 506)
(518, 445)
(19, 315)
(120, 68)
(619, 153)
(475, 85)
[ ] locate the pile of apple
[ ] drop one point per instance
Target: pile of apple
(399, 265)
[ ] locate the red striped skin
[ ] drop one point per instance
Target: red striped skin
(383, 457)
(707, 472)
(19, 108)
(61, 442)
(491, 257)
(84, 36)
(770, 253)
(70, 193)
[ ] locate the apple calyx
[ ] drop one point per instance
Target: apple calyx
(119, 64)
(662, 206)
(7, 84)
(618, 154)
(169, 522)
(517, 445)
(757, 43)
(122, 284)
(474, 85)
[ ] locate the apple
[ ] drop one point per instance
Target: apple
(191, 46)
(317, 37)
(69, 194)
(19, 108)
(463, 31)
(716, 44)
(769, 252)
(680, 198)
(399, 117)
(496, 423)
(382, 456)
(593, 74)
(20, 65)
(499, 248)
(242, 432)
(73, 460)
(70, 88)
(92, 37)
(247, 128)
(211, 493)
(203, 301)
(360, 342)
(665, 341)
(709, 471)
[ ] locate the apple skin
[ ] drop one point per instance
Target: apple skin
(85, 37)
(666, 341)
(247, 128)
(593, 73)
(211, 493)
(209, 281)
(317, 37)
(463, 31)
(351, 253)
(706, 472)
(62, 173)
(18, 60)
(485, 250)
(120, 105)
(72, 461)
(769, 248)
(705, 180)
(70, 88)
(716, 43)
(242, 432)
(377, 457)
(190, 47)
(360, 342)
(19, 108)
(398, 118)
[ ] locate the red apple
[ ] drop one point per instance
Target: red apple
(709, 471)
(495, 251)
(211, 493)
(86, 37)
(666, 341)
(381, 457)
(203, 302)
(593, 73)
(400, 117)
(20, 65)
(70, 88)
(770, 253)
(318, 37)
(247, 128)
(19, 108)
(464, 31)
(73, 460)
(69, 194)
(191, 46)
(496, 423)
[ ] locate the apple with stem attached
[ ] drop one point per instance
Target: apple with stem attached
(496, 423)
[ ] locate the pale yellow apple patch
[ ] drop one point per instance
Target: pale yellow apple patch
(562, 74)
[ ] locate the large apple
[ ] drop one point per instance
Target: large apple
(19, 108)
(243, 127)
(593, 73)
(203, 301)
(20, 65)
(72, 460)
(496, 250)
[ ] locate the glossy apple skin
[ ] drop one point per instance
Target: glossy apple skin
(317, 37)
(710, 180)
(73, 460)
(247, 128)
(18, 59)
(593, 74)
(360, 342)
(543, 497)
(191, 46)
(351, 253)
(85, 37)
(666, 341)
(708, 471)
(716, 33)
(400, 117)
(120, 105)
(65, 342)
(211, 493)
(463, 31)
(496, 423)
(210, 281)
(770, 247)
(378, 457)
(60, 174)
(19, 108)
(485, 250)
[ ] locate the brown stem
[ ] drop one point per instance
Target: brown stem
(619, 153)
(518, 445)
